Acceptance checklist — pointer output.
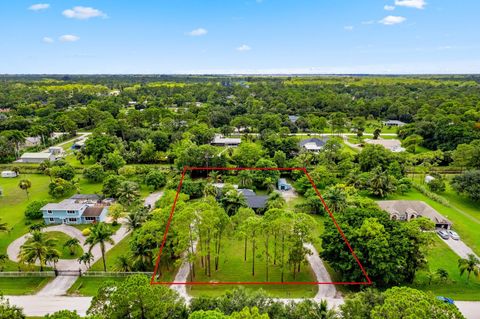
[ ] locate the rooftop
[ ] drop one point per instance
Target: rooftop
(413, 206)
(93, 211)
(36, 155)
(219, 139)
(66, 204)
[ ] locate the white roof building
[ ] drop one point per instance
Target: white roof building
(36, 157)
(392, 145)
(220, 140)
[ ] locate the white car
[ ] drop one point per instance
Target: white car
(453, 235)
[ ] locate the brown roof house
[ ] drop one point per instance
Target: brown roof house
(410, 209)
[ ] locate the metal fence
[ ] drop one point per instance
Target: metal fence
(114, 274)
(12, 274)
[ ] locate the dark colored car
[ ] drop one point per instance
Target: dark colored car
(446, 300)
(443, 233)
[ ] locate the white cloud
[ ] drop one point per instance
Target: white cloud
(39, 7)
(389, 8)
(348, 28)
(83, 13)
(198, 32)
(418, 4)
(47, 40)
(69, 38)
(368, 22)
(391, 20)
(244, 48)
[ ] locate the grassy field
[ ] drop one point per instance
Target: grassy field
(14, 201)
(61, 238)
(234, 269)
(88, 286)
(22, 285)
(464, 222)
(456, 287)
(112, 255)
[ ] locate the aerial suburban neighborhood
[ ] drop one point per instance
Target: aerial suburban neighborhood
(243, 159)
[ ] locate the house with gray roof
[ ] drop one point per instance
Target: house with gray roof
(78, 209)
(407, 210)
(253, 200)
(313, 144)
(220, 140)
(396, 123)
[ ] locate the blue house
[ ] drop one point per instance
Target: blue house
(283, 185)
(79, 209)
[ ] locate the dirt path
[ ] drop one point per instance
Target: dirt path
(321, 275)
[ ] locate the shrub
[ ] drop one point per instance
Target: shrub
(432, 196)
(86, 232)
(94, 173)
(33, 209)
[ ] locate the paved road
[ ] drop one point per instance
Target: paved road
(321, 274)
(79, 135)
(39, 306)
(459, 247)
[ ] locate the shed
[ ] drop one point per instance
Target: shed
(9, 174)
(283, 185)
(36, 157)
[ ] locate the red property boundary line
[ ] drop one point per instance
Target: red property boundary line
(303, 169)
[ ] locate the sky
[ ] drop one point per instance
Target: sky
(239, 36)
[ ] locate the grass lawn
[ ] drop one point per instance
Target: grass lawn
(463, 222)
(88, 286)
(22, 285)
(112, 255)
(456, 287)
(61, 239)
(14, 201)
(233, 269)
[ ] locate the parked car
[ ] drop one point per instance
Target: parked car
(443, 233)
(453, 235)
(446, 300)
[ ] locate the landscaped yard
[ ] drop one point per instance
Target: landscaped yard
(22, 285)
(61, 238)
(14, 201)
(88, 286)
(456, 287)
(112, 255)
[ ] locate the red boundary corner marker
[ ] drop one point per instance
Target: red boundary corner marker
(186, 169)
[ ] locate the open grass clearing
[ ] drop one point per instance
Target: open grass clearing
(456, 287)
(61, 238)
(22, 285)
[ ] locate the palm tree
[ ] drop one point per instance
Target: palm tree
(442, 274)
(336, 199)
(123, 264)
(275, 200)
(72, 244)
(53, 255)
(128, 193)
(3, 227)
(469, 264)
(135, 219)
(210, 190)
(86, 259)
(380, 183)
(245, 179)
(100, 234)
(17, 138)
(39, 247)
(232, 201)
(25, 184)
(3, 259)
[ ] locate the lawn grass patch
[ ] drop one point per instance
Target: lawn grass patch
(119, 249)
(88, 286)
(22, 285)
(233, 268)
(14, 201)
(61, 238)
(456, 287)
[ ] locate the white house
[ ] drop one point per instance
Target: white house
(220, 140)
(37, 158)
(390, 123)
(9, 174)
